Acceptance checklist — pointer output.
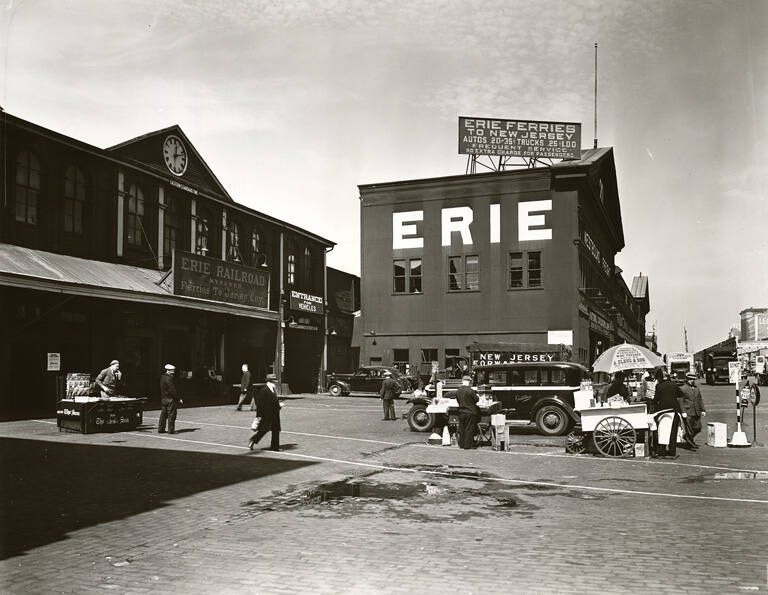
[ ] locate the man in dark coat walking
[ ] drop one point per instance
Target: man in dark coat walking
(268, 409)
(468, 413)
(169, 400)
(389, 391)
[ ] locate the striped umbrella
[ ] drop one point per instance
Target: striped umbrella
(626, 357)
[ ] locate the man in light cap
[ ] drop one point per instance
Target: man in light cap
(169, 400)
(268, 410)
(468, 413)
(389, 391)
(245, 389)
(109, 380)
(693, 407)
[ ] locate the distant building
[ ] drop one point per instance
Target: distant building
(651, 342)
(734, 333)
(754, 324)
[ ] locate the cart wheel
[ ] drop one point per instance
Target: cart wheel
(575, 443)
(614, 437)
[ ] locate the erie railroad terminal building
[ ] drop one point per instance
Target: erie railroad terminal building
(138, 253)
(515, 256)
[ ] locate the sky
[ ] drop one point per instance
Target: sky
(292, 104)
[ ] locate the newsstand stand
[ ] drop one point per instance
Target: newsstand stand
(80, 412)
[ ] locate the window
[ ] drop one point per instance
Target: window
(531, 377)
(400, 360)
(171, 226)
(233, 253)
(534, 269)
(202, 236)
(428, 355)
(414, 284)
(450, 357)
(135, 223)
(524, 270)
(406, 276)
(308, 264)
(292, 264)
(464, 273)
(27, 187)
(74, 200)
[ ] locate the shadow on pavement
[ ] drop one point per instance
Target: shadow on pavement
(49, 489)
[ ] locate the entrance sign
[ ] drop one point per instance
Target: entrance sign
(519, 138)
(212, 279)
(306, 302)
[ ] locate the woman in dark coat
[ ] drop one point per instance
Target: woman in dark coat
(268, 409)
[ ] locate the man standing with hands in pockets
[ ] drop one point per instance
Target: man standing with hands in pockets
(169, 400)
(389, 390)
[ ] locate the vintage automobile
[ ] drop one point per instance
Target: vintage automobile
(538, 392)
(367, 379)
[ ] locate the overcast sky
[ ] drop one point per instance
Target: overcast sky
(293, 104)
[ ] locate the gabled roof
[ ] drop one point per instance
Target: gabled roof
(596, 166)
(147, 150)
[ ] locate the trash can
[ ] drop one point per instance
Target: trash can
(717, 435)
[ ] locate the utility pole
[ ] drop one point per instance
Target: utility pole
(685, 332)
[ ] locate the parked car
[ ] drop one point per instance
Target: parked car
(538, 392)
(367, 379)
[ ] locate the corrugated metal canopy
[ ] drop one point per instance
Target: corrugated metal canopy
(46, 271)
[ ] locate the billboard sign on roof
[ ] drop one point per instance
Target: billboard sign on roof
(519, 138)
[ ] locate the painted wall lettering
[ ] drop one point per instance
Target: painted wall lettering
(525, 220)
(457, 219)
(403, 225)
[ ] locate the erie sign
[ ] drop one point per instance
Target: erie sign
(519, 138)
(212, 279)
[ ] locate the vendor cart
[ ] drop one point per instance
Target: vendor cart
(613, 428)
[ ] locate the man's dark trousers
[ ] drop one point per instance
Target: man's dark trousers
(275, 445)
(467, 430)
(167, 412)
(389, 408)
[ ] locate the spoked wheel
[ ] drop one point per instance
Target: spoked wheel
(614, 437)
(575, 443)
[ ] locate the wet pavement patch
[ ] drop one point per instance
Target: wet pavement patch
(453, 495)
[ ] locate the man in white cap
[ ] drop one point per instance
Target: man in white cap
(246, 389)
(389, 391)
(169, 400)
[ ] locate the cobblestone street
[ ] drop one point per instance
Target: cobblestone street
(358, 505)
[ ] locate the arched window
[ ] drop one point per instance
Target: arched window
(308, 268)
(74, 200)
(27, 187)
(171, 226)
(292, 263)
(135, 223)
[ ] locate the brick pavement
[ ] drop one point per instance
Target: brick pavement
(138, 513)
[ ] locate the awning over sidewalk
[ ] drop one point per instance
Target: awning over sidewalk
(45, 271)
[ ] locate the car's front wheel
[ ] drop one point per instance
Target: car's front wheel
(335, 390)
(552, 420)
(419, 420)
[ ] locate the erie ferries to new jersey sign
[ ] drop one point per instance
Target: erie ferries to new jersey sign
(519, 138)
(212, 279)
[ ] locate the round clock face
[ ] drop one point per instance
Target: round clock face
(175, 155)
